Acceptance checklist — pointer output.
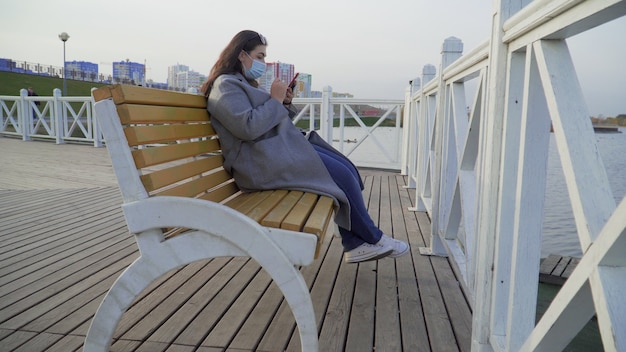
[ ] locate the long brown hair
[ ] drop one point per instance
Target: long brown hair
(228, 61)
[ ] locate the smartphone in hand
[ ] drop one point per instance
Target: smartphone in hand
(292, 84)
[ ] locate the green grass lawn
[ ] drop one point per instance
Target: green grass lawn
(350, 122)
(11, 83)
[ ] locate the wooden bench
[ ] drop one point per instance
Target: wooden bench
(182, 206)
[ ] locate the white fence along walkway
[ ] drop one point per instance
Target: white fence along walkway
(481, 175)
(64, 119)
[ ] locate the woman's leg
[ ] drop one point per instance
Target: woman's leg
(363, 227)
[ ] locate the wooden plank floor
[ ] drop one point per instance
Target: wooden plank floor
(64, 241)
(556, 269)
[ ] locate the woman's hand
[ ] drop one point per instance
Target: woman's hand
(278, 90)
(288, 96)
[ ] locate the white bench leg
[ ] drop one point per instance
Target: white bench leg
(221, 232)
(297, 295)
(141, 273)
(128, 286)
(197, 246)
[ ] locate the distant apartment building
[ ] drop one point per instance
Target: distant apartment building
(8, 65)
(182, 79)
(78, 70)
(274, 70)
(81, 71)
(318, 94)
(128, 72)
(173, 73)
(285, 72)
(303, 86)
(179, 77)
(342, 95)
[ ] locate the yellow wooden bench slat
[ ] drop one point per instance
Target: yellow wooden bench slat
(275, 217)
(319, 220)
(161, 178)
(247, 201)
(221, 192)
(155, 155)
(297, 216)
(197, 186)
(122, 93)
(134, 114)
(320, 215)
(140, 135)
(264, 207)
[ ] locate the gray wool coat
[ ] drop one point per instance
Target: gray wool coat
(263, 149)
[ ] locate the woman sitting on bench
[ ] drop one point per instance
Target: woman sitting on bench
(263, 149)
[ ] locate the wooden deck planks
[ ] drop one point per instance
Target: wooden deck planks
(339, 282)
(65, 166)
(439, 329)
(387, 326)
(55, 269)
(414, 335)
(555, 269)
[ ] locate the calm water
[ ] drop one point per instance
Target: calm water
(559, 230)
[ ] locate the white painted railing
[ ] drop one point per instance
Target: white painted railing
(366, 145)
(65, 119)
(53, 117)
(481, 176)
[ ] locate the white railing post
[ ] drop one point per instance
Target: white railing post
(326, 115)
(489, 179)
(451, 50)
(57, 118)
(312, 117)
(24, 117)
(97, 136)
(412, 129)
(342, 121)
(502, 281)
(423, 139)
(424, 126)
(429, 72)
(408, 135)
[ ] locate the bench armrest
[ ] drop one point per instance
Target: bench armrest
(217, 220)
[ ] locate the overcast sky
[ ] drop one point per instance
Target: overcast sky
(369, 48)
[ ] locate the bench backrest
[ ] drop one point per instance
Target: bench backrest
(171, 142)
(162, 143)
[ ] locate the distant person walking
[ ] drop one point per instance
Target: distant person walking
(32, 93)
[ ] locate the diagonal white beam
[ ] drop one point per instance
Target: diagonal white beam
(608, 285)
(528, 211)
(587, 183)
(573, 305)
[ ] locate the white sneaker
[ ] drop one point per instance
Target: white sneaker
(400, 248)
(367, 251)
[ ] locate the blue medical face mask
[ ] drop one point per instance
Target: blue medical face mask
(256, 70)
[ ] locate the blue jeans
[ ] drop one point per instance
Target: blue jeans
(347, 178)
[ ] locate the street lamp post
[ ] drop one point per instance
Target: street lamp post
(64, 37)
